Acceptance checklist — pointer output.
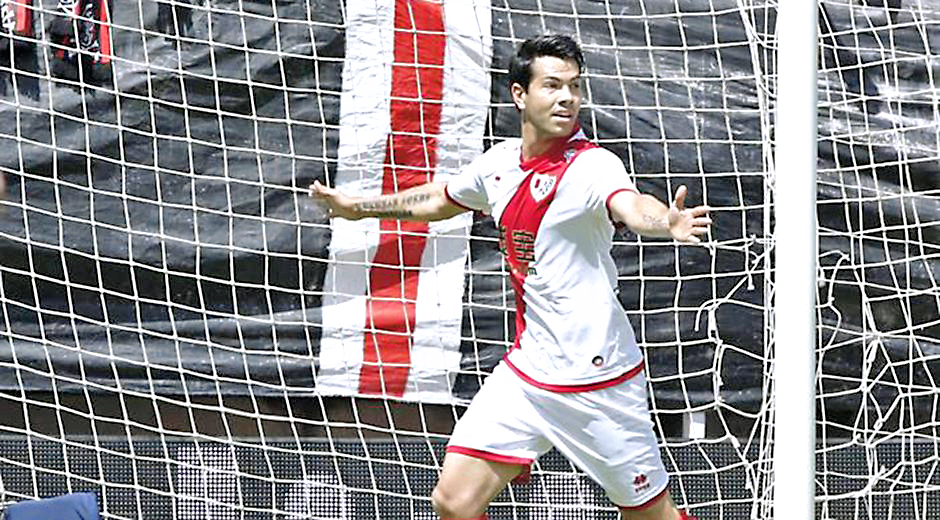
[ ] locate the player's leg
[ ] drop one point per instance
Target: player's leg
(497, 438)
(660, 508)
(468, 484)
(609, 434)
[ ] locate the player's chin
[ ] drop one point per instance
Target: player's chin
(561, 127)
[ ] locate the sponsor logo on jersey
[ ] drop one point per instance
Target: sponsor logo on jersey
(541, 185)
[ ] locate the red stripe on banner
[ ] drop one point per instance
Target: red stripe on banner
(23, 17)
(410, 158)
(104, 31)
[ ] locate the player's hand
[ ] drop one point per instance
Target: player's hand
(687, 225)
(337, 203)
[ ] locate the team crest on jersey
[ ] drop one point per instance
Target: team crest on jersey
(541, 185)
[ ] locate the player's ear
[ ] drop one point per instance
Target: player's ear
(518, 95)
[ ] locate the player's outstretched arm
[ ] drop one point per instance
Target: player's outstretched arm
(646, 215)
(424, 203)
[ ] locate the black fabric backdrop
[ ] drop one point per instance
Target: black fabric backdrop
(185, 228)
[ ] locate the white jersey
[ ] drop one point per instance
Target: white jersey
(555, 235)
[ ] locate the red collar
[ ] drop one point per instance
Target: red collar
(555, 153)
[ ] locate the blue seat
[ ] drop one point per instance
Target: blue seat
(75, 506)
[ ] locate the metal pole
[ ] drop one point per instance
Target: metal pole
(796, 255)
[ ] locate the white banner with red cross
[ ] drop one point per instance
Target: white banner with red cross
(416, 91)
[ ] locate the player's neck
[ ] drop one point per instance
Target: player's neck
(535, 148)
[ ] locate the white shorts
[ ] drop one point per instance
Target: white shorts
(607, 432)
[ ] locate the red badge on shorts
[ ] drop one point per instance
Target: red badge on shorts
(641, 483)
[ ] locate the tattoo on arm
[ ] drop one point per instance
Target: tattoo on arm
(393, 206)
(654, 223)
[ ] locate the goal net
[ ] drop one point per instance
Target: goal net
(183, 332)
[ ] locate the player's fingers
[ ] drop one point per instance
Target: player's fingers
(318, 190)
(698, 211)
(679, 200)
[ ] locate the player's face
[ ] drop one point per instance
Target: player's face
(551, 104)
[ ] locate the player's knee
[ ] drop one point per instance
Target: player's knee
(449, 505)
(661, 508)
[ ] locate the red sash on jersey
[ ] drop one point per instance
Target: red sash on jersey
(520, 221)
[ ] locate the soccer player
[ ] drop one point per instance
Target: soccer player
(574, 379)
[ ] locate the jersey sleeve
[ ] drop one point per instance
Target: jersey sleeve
(468, 190)
(608, 177)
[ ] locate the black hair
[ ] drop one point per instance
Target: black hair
(555, 45)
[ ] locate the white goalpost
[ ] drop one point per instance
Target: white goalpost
(795, 254)
(186, 335)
